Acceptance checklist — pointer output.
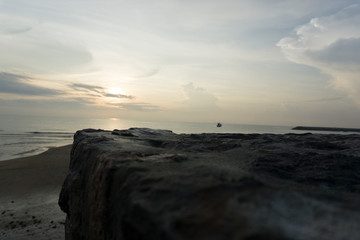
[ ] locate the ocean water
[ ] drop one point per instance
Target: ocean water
(21, 137)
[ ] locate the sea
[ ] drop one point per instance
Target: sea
(27, 136)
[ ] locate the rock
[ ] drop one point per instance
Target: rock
(329, 129)
(154, 184)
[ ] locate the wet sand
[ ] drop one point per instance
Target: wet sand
(29, 190)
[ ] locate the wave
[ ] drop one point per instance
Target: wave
(52, 133)
(13, 134)
(25, 143)
(28, 152)
(29, 136)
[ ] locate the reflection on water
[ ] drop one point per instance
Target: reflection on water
(22, 137)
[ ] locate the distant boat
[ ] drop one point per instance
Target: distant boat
(219, 125)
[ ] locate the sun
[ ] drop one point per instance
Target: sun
(115, 91)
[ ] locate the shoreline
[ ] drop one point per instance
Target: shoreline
(29, 191)
(32, 153)
(30, 188)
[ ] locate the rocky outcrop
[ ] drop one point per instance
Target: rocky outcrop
(328, 129)
(154, 184)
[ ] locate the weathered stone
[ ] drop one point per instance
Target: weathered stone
(154, 184)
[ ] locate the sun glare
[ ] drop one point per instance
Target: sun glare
(115, 91)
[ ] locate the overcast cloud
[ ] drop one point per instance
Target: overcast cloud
(21, 85)
(198, 98)
(332, 44)
(97, 89)
(140, 56)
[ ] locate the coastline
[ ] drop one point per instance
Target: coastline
(30, 186)
(29, 190)
(327, 129)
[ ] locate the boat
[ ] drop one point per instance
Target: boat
(219, 125)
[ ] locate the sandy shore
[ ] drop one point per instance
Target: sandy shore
(29, 190)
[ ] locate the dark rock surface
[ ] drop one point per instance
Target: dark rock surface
(154, 184)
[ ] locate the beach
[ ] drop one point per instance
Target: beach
(29, 190)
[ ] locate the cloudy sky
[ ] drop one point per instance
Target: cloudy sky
(282, 62)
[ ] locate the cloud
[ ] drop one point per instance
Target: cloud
(12, 25)
(90, 88)
(20, 84)
(16, 30)
(118, 95)
(40, 46)
(326, 99)
(342, 54)
(84, 101)
(199, 98)
(331, 44)
(148, 74)
(99, 90)
(51, 107)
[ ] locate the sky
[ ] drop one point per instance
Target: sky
(277, 62)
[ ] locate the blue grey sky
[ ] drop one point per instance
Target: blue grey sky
(253, 61)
